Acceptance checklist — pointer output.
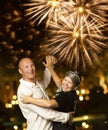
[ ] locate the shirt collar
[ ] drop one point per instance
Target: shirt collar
(27, 83)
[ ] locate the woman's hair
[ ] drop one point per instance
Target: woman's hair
(74, 76)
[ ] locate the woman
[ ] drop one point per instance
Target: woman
(65, 99)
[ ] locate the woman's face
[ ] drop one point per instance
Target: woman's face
(67, 84)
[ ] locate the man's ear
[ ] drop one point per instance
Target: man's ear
(19, 71)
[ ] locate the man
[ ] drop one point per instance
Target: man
(37, 118)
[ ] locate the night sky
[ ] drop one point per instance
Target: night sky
(20, 38)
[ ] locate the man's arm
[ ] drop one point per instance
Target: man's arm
(49, 114)
(46, 79)
(55, 77)
(47, 103)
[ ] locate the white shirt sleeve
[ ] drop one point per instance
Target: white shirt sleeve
(48, 114)
(46, 78)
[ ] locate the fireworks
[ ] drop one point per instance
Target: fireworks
(75, 44)
(75, 28)
(49, 10)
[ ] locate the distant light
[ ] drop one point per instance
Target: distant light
(16, 102)
(7, 87)
(83, 91)
(13, 34)
(91, 117)
(87, 92)
(87, 98)
(85, 125)
(15, 127)
(24, 125)
(29, 37)
(85, 117)
(102, 82)
(12, 119)
(24, 129)
(14, 97)
(8, 105)
(81, 98)
(77, 91)
(21, 51)
(13, 102)
(16, 12)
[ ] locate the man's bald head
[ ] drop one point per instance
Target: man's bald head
(26, 68)
(23, 60)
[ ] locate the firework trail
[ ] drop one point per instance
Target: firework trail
(74, 42)
(75, 28)
(45, 10)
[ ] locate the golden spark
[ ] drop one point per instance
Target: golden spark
(76, 28)
(75, 43)
(49, 10)
(93, 9)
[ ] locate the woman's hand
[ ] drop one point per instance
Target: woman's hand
(50, 61)
(71, 118)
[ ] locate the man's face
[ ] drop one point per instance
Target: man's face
(27, 69)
